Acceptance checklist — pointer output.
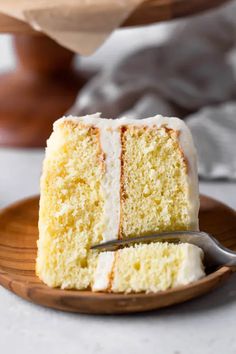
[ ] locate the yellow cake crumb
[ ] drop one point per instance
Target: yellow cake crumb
(71, 206)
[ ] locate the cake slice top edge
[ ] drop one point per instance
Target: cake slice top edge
(98, 121)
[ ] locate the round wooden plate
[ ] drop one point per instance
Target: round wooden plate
(149, 11)
(18, 235)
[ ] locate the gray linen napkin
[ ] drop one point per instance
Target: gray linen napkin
(191, 75)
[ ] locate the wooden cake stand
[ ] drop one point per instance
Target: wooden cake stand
(45, 84)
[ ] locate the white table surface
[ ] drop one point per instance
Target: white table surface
(205, 325)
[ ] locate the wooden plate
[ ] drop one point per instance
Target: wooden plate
(18, 235)
(149, 11)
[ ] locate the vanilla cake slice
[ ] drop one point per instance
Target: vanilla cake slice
(105, 179)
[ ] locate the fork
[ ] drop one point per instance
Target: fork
(215, 255)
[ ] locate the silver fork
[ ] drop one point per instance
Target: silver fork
(215, 254)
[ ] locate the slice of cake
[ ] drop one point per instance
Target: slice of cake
(105, 179)
(148, 267)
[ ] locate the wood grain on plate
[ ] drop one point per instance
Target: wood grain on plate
(149, 11)
(18, 236)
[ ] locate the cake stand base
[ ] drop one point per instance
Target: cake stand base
(42, 89)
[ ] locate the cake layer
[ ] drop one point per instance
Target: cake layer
(148, 267)
(71, 205)
(154, 182)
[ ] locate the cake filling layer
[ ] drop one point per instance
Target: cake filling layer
(110, 144)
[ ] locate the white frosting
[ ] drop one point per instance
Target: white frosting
(110, 143)
(103, 271)
(190, 155)
(111, 146)
(191, 268)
